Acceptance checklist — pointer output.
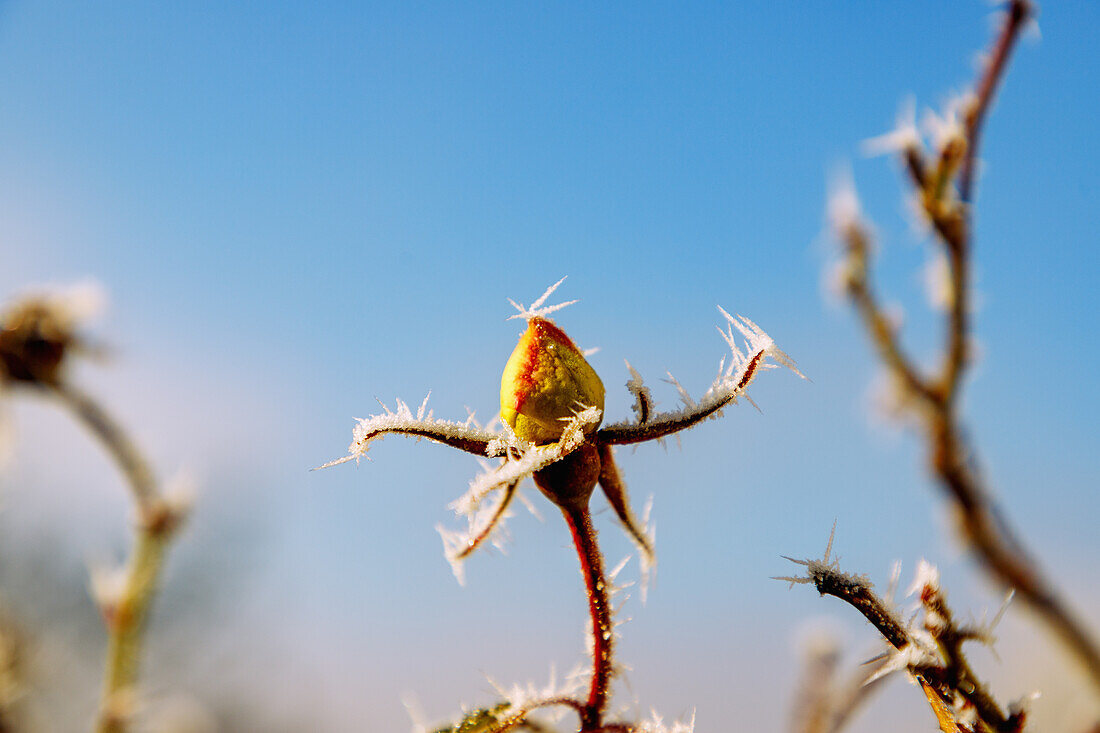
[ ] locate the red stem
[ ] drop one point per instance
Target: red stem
(599, 608)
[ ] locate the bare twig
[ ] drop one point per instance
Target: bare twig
(824, 705)
(158, 518)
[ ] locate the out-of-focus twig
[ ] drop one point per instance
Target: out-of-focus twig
(1016, 16)
(37, 335)
(824, 703)
(158, 517)
(944, 183)
(11, 683)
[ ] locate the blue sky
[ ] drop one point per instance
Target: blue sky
(299, 208)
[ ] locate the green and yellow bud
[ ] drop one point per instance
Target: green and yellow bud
(545, 381)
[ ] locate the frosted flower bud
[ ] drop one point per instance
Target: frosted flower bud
(545, 382)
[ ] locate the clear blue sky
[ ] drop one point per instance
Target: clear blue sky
(298, 208)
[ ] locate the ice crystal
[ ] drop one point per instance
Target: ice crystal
(656, 724)
(946, 128)
(523, 699)
(536, 309)
(903, 137)
(927, 577)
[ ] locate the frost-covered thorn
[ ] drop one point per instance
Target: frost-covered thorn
(685, 397)
(107, 585)
(656, 724)
(829, 544)
(926, 580)
(643, 398)
(947, 129)
(1009, 596)
(614, 572)
(903, 138)
(892, 583)
(936, 278)
(843, 207)
(759, 341)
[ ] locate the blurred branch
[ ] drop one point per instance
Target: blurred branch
(158, 517)
(11, 682)
(37, 334)
(934, 399)
(824, 705)
(1017, 14)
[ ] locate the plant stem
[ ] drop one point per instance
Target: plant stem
(126, 623)
(126, 615)
(599, 609)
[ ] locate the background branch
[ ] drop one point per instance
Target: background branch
(935, 400)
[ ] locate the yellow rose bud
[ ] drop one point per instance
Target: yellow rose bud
(545, 382)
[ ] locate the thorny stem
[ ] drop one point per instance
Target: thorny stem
(126, 616)
(599, 608)
(858, 593)
(939, 683)
(995, 543)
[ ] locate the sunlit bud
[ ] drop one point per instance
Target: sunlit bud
(546, 381)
